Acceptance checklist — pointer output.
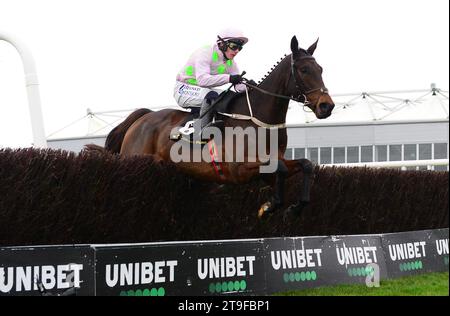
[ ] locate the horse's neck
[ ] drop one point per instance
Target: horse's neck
(266, 108)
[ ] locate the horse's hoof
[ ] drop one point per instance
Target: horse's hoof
(264, 210)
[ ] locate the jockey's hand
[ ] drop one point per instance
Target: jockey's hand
(235, 79)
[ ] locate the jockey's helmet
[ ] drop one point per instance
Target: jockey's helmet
(232, 35)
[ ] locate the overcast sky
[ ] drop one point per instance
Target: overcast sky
(122, 54)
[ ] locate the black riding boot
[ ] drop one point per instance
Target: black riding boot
(207, 112)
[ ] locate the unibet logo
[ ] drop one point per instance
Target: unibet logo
(407, 250)
(356, 255)
(442, 246)
(225, 267)
(293, 259)
(140, 273)
(24, 278)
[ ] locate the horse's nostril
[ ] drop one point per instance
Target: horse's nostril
(324, 107)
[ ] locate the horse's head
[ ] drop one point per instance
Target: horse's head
(307, 78)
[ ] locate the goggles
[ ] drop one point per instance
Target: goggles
(234, 46)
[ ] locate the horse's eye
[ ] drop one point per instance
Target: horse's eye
(304, 70)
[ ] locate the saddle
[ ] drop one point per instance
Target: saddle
(187, 129)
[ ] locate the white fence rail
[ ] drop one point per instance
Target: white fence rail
(404, 165)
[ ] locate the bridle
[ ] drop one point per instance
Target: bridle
(301, 96)
(323, 90)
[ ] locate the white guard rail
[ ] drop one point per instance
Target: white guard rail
(397, 164)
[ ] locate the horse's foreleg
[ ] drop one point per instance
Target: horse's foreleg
(278, 196)
(305, 166)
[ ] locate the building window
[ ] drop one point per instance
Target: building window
(339, 155)
(395, 152)
(424, 151)
(440, 151)
(325, 155)
(366, 153)
(299, 153)
(410, 152)
(288, 153)
(352, 154)
(381, 153)
(313, 154)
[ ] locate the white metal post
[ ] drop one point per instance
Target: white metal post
(32, 86)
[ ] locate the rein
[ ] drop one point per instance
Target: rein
(301, 94)
(251, 117)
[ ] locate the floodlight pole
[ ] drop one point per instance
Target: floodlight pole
(32, 86)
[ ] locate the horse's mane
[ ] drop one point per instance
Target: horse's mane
(275, 66)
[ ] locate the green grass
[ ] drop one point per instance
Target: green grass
(430, 284)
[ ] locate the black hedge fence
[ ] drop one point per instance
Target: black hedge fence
(58, 197)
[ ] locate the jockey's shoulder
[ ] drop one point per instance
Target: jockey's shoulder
(205, 51)
(206, 48)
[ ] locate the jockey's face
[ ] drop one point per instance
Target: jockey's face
(231, 53)
(232, 50)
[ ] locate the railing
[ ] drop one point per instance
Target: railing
(32, 85)
(404, 164)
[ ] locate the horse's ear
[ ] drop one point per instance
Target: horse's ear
(294, 46)
(312, 48)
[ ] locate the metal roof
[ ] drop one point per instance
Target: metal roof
(363, 108)
(399, 106)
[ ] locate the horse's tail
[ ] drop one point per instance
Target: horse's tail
(114, 139)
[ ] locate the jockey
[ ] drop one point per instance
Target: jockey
(209, 67)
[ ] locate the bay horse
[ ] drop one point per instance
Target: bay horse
(296, 77)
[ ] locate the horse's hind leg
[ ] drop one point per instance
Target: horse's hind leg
(305, 166)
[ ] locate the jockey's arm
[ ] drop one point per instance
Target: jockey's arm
(234, 70)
